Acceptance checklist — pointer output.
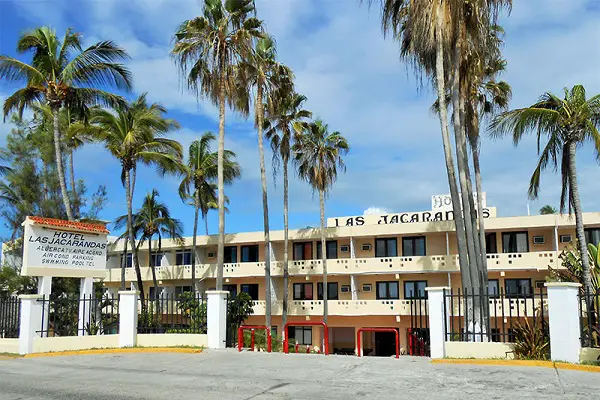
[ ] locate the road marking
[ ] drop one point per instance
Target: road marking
(519, 363)
(116, 351)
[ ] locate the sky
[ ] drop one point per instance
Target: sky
(354, 80)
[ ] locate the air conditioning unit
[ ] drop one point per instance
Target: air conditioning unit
(345, 288)
(366, 247)
(539, 240)
(565, 238)
(366, 287)
(344, 248)
(211, 254)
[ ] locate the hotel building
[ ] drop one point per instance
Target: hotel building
(378, 268)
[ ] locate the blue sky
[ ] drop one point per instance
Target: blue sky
(354, 80)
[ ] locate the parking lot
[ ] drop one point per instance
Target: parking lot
(231, 375)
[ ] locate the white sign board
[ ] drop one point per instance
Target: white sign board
(63, 249)
(443, 202)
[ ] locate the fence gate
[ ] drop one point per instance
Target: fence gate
(417, 334)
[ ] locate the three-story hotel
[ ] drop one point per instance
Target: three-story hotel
(378, 266)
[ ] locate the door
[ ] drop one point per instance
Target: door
(385, 344)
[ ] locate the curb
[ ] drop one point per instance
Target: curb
(519, 363)
(115, 351)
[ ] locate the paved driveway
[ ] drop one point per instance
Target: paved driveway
(227, 375)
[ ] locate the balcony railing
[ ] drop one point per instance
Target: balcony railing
(341, 307)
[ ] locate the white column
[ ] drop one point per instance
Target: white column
(447, 244)
(555, 238)
(437, 318)
(86, 299)
(563, 316)
(216, 319)
(44, 289)
(31, 322)
(271, 252)
(352, 248)
(273, 289)
(354, 287)
(128, 318)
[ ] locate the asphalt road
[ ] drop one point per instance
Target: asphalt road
(228, 375)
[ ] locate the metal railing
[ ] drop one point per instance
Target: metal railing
(75, 316)
(589, 316)
(493, 317)
(9, 317)
(173, 313)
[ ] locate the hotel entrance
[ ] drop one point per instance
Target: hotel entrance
(385, 344)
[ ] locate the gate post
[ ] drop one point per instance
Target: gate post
(128, 318)
(437, 321)
(31, 321)
(563, 318)
(216, 318)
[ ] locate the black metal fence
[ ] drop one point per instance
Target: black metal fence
(173, 313)
(9, 317)
(589, 313)
(417, 335)
(74, 316)
(493, 317)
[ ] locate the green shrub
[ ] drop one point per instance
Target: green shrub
(532, 341)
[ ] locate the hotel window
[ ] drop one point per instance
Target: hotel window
(303, 251)
(332, 291)
(413, 246)
(491, 245)
(387, 290)
(129, 261)
(232, 289)
(302, 334)
(182, 289)
(156, 259)
(415, 289)
(515, 242)
(493, 288)
(153, 292)
(183, 257)
(386, 247)
(251, 289)
(518, 287)
(592, 235)
(230, 255)
(303, 291)
(250, 253)
(332, 248)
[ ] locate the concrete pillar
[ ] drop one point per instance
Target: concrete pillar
(44, 289)
(563, 316)
(31, 321)
(216, 319)
(86, 301)
(447, 244)
(555, 238)
(352, 248)
(437, 320)
(128, 318)
(354, 287)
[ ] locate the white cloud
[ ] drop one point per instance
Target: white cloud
(375, 211)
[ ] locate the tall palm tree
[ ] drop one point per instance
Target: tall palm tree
(206, 49)
(548, 210)
(566, 123)
(197, 184)
(60, 79)
(261, 72)
(318, 157)
(282, 125)
(134, 133)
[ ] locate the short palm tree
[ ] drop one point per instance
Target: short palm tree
(318, 157)
(548, 210)
(283, 123)
(60, 79)
(566, 123)
(134, 133)
(198, 185)
(206, 49)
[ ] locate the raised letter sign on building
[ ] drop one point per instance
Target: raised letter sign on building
(53, 247)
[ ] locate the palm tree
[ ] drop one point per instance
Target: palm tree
(318, 156)
(206, 49)
(61, 80)
(198, 186)
(282, 125)
(548, 210)
(269, 78)
(134, 133)
(567, 123)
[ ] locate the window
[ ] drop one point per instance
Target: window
(182, 289)
(303, 291)
(344, 248)
(251, 289)
(387, 290)
(332, 291)
(493, 288)
(491, 246)
(183, 257)
(515, 242)
(415, 289)
(153, 292)
(518, 287)
(303, 251)
(565, 238)
(129, 260)
(495, 335)
(386, 247)
(232, 289)
(250, 253)
(302, 334)
(592, 235)
(156, 259)
(366, 247)
(230, 255)
(331, 249)
(413, 246)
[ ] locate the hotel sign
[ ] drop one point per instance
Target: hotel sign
(443, 202)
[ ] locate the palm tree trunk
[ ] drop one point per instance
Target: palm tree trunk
(136, 263)
(443, 114)
(152, 268)
(324, 256)
(205, 218)
(220, 182)
(263, 181)
(479, 189)
(73, 187)
(124, 265)
(286, 273)
(45, 179)
(196, 209)
(133, 179)
(59, 166)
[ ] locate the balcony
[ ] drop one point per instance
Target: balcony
(540, 260)
(343, 307)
